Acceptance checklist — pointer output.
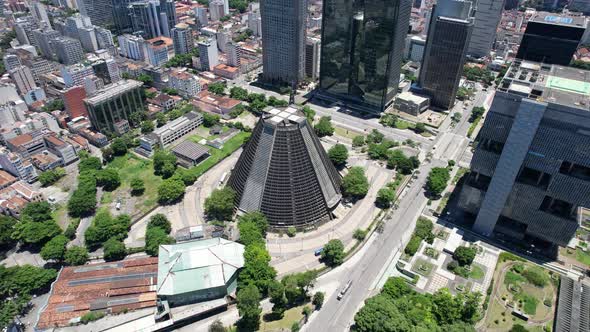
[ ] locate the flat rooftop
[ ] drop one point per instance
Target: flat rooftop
(117, 286)
(557, 19)
(113, 90)
(548, 83)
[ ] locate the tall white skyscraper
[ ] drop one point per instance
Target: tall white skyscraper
(23, 78)
(208, 54)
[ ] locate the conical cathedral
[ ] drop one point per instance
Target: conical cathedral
(285, 173)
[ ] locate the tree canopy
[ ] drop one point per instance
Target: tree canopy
(338, 154)
(76, 255)
(324, 127)
(114, 250)
(248, 299)
(333, 253)
(355, 184)
(170, 190)
(220, 204)
(437, 180)
(55, 249)
(217, 88)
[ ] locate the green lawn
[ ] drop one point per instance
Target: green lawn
(512, 278)
(578, 254)
(346, 132)
(473, 125)
(291, 316)
(401, 124)
(422, 267)
(60, 215)
(217, 155)
(129, 167)
(476, 272)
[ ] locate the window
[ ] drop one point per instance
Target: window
(479, 181)
(575, 170)
(558, 208)
(491, 146)
(534, 177)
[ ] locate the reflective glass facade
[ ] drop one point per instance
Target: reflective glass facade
(362, 47)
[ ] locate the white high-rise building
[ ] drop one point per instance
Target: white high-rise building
(255, 23)
(131, 46)
(88, 39)
(201, 15)
(233, 54)
(69, 51)
(216, 10)
(185, 83)
(104, 37)
(23, 78)
(208, 54)
(74, 75)
(45, 38)
(40, 13)
(182, 36)
(24, 27)
(222, 39)
(11, 61)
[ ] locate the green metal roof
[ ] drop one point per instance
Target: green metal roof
(197, 265)
(567, 84)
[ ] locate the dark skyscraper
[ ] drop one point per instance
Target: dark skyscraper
(362, 48)
(449, 34)
(283, 40)
(551, 38)
(121, 15)
(153, 18)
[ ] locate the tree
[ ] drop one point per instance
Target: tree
(333, 253)
(447, 309)
(385, 196)
(163, 161)
(210, 120)
(89, 164)
(217, 326)
(6, 228)
(170, 191)
(413, 245)
(161, 119)
(154, 237)
(107, 153)
(396, 287)
(476, 112)
(465, 255)
(217, 88)
(76, 255)
(36, 212)
(258, 218)
(379, 314)
(437, 180)
(250, 233)
(145, 79)
(160, 220)
(395, 158)
(338, 154)
(248, 299)
(119, 147)
(536, 276)
(35, 233)
(238, 93)
(114, 250)
(518, 328)
(375, 136)
(318, 300)
(424, 229)
(220, 204)
(108, 178)
(55, 249)
(137, 186)
(420, 127)
(324, 127)
(24, 279)
(147, 127)
(257, 269)
(355, 183)
(276, 292)
(358, 141)
(309, 113)
(50, 177)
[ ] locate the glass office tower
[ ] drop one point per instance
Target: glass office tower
(362, 48)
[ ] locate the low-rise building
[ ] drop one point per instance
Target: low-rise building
(184, 82)
(16, 196)
(176, 129)
(197, 271)
(226, 71)
(17, 166)
(211, 103)
(410, 103)
(45, 161)
(190, 154)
